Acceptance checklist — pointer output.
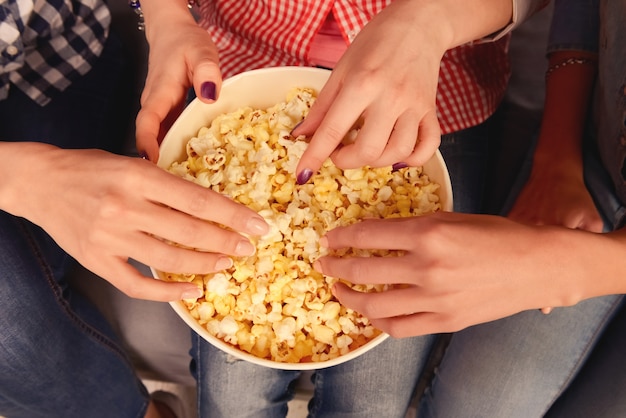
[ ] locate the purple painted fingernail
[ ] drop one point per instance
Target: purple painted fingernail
(208, 90)
(143, 155)
(304, 176)
(398, 166)
(296, 127)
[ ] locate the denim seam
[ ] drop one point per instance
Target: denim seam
(196, 355)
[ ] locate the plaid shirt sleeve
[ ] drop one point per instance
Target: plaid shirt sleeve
(45, 45)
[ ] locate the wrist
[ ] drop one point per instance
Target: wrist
(449, 19)
(151, 12)
(603, 264)
(555, 163)
(18, 173)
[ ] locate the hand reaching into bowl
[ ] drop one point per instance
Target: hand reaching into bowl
(387, 85)
(104, 209)
(182, 56)
(456, 272)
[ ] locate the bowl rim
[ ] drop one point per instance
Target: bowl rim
(179, 306)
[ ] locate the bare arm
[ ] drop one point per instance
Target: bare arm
(388, 77)
(556, 193)
(182, 55)
(104, 209)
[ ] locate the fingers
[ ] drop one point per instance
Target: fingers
(410, 138)
(174, 259)
(130, 281)
(593, 225)
(193, 232)
(587, 221)
(371, 147)
(202, 203)
(159, 110)
(367, 270)
(389, 234)
(180, 65)
(422, 323)
(400, 313)
(337, 121)
(207, 78)
(402, 141)
(375, 305)
(429, 139)
(318, 111)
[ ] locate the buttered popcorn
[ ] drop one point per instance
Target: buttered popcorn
(273, 304)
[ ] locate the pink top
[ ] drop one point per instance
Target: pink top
(328, 44)
(259, 33)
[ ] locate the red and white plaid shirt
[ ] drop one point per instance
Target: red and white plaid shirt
(254, 34)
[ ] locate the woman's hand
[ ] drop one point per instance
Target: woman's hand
(459, 270)
(182, 55)
(555, 194)
(104, 209)
(386, 82)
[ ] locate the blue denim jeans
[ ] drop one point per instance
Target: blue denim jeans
(379, 383)
(599, 390)
(58, 355)
(520, 365)
(516, 366)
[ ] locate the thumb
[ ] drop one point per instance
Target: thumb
(207, 79)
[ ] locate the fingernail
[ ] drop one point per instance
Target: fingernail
(323, 242)
(223, 263)
(317, 266)
(207, 90)
(244, 247)
(398, 166)
(296, 127)
(257, 226)
(143, 155)
(304, 176)
(193, 293)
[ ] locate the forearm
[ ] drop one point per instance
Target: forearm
(603, 263)
(21, 160)
(569, 86)
(476, 19)
(445, 24)
(160, 14)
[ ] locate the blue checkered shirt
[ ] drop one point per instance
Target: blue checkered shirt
(47, 44)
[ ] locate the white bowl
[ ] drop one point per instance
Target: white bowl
(261, 89)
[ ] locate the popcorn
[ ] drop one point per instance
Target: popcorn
(273, 304)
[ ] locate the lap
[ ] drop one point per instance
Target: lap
(57, 353)
(517, 366)
(379, 383)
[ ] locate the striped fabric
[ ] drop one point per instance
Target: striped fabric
(45, 45)
(266, 33)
